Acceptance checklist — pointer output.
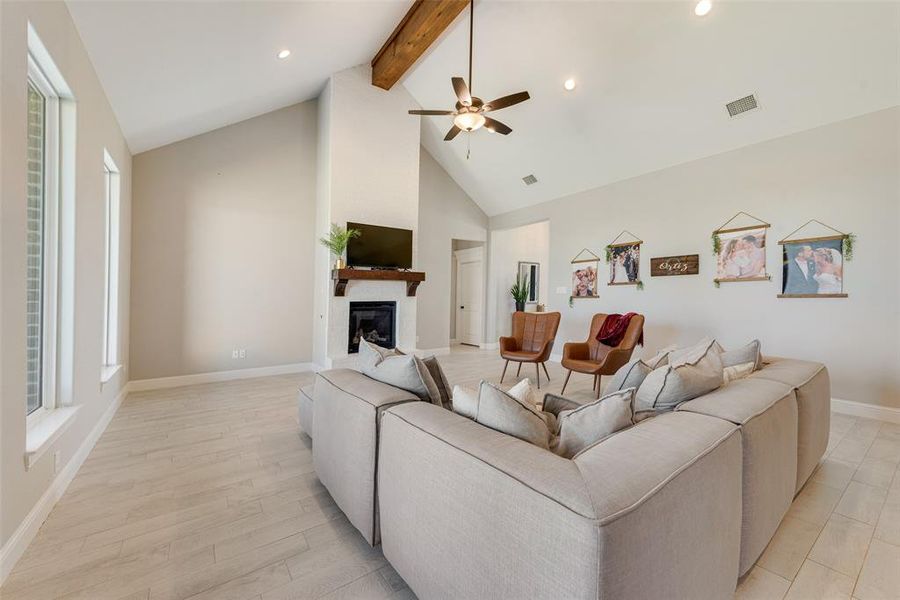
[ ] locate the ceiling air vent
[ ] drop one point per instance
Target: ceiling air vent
(529, 179)
(741, 105)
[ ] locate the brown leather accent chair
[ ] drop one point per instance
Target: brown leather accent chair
(597, 359)
(531, 341)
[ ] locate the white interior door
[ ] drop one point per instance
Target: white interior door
(470, 295)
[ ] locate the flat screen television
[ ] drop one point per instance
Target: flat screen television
(380, 247)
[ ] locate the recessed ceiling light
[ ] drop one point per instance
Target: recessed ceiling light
(284, 53)
(569, 84)
(703, 7)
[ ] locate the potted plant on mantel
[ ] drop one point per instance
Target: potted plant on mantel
(337, 241)
(519, 292)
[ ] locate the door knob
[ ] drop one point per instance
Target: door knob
(461, 307)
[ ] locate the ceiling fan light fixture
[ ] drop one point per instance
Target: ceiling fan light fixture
(469, 121)
(702, 8)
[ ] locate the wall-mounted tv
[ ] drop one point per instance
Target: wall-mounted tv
(380, 247)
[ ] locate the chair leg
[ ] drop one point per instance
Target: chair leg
(504, 371)
(537, 370)
(519, 370)
(599, 379)
(594, 386)
(565, 383)
(543, 364)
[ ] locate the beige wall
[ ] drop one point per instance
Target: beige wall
(96, 129)
(846, 174)
(224, 228)
(445, 213)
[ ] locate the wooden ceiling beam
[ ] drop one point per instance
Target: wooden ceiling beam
(422, 25)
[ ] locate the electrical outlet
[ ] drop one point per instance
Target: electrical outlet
(243, 353)
(234, 353)
(56, 462)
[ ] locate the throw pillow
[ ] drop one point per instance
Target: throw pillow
(749, 353)
(465, 401)
(633, 373)
(501, 412)
(737, 371)
(524, 393)
(440, 380)
(581, 428)
(406, 372)
(690, 373)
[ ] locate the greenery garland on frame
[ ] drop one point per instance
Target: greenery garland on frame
(716, 245)
(847, 246)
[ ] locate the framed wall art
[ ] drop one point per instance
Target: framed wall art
(740, 251)
(585, 272)
(624, 260)
(813, 267)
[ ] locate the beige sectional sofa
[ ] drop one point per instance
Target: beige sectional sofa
(677, 506)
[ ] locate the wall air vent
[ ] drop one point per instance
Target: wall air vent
(529, 179)
(741, 105)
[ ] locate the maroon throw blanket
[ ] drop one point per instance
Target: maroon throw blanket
(613, 329)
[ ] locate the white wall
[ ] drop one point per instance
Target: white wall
(844, 174)
(96, 129)
(525, 243)
(369, 173)
(224, 228)
(445, 213)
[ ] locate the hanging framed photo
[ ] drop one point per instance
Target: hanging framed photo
(585, 275)
(740, 251)
(531, 273)
(625, 264)
(813, 267)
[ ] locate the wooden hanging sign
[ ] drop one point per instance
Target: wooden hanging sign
(667, 266)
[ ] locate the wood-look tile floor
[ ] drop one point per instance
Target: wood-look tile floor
(208, 492)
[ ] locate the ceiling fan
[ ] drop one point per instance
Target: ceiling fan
(470, 110)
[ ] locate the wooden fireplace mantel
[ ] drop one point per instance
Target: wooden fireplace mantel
(342, 277)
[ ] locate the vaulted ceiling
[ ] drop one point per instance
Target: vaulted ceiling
(652, 78)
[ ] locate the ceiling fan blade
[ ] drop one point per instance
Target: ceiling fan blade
(462, 91)
(432, 112)
(496, 126)
(452, 133)
(506, 101)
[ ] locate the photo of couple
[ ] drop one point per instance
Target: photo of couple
(813, 267)
(624, 264)
(584, 279)
(742, 255)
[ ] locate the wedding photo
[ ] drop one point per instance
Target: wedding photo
(624, 264)
(742, 255)
(584, 279)
(813, 268)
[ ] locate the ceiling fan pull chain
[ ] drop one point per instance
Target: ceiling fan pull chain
(468, 146)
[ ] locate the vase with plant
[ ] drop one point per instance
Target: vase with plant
(519, 291)
(337, 241)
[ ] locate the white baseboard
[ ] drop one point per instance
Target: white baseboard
(454, 341)
(14, 548)
(869, 411)
(142, 385)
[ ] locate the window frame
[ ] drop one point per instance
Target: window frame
(50, 242)
(112, 227)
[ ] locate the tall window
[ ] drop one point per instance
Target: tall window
(111, 269)
(41, 240)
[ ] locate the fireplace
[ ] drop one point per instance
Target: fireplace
(373, 322)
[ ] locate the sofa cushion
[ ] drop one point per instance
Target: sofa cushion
(738, 371)
(501, 412)
(305, 408)
(690, 373)
(582, 427)
(407, 372)
(740, 401)
(749, 353)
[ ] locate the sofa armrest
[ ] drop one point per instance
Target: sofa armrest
(577, 351)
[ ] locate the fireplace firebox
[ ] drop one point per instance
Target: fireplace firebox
(372, 321)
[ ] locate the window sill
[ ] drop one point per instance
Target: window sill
(41, 435)
(108, 372)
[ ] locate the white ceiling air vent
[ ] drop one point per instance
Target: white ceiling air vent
(529, 179)
(741, 105)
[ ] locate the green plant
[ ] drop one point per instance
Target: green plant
(640, 285)
(608, 250)
(716, 243)
(847, 249)
(338, 238)
(519, 291)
